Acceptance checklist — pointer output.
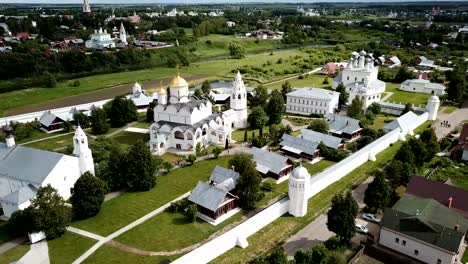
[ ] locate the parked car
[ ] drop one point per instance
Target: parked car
(371, 218)
(361, 229)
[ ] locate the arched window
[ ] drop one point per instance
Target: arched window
(179, 135)
(189, 135)
(239, 97)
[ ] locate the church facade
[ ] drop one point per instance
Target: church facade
(182, 121)
(360, 79)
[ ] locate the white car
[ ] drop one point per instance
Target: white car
(371, 218)
(361, 229)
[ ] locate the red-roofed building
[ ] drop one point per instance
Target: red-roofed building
(422, 75)
(460, 151)
(333, 67)
(23, 35)
(448, 195)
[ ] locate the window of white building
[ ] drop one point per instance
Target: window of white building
(439, 261)
(404, 243)
(397, 240)
(416, 252)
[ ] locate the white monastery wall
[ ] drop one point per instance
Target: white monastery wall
(64, 176)
(238, 235)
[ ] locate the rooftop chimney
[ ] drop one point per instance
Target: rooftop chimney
(9, 138)
(450, 200)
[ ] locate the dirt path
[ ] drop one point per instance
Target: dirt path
(97, 95)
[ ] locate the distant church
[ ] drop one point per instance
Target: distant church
(181, 121)
(24, 170)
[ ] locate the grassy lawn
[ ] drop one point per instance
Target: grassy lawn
(53, 143)
(448, 109)
(238, 135)
(285, 226)
(108, 254)
(318, 167)
(313, 81)
(130, 138)
(68, 247)
(405, 97)
(128, 207)
(299, 121)
(141, 124)
(14, 254)
(40, 135)
(465, 257)
(171, 157)
(171, 231)
(4, 235)
(381, 120)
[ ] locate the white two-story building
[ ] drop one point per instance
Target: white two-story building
(307, 101)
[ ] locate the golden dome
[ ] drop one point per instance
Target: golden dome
(179, 81)
(162, 90)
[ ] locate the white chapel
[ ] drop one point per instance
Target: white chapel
(360, 79)
(181, 121)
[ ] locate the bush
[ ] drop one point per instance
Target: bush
(191, 212)
(267, 186)
(178, 206)
(76, 83)
(208, 42)
(49, 80)
(300, 77)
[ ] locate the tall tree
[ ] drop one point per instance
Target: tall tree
(319, 125)
(235, 50)
(248, 186)
(150, 112)
(319, 254)
(342, 215)
(344, 95)
(429, 138)
(405, 154)
(378, 193)
(408, 108)
(356, 109)
(260, 98)
(275, 107)
(87, 196)
(206, 87)
(122, 111)
(374, 108)
(99, 124)
(141, 168)
(257, 118)
(419, 150)
(50, 213)
(457, 86)
(285, 89)
(115, 173)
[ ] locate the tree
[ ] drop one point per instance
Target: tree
(275, 107)
(49, 80)
(79, 118)
(87, 196)
(429, 138)
(301, 257)
(457, 85)
(235, 50)
(216, 151)
(408, 108)
(374, 108)
(99, 124)
(356, 109)
(378, 193)
(141, 168)
(249, 182)
(191, 212)
(116, 167)
(150, 112)
(257, 118)
(285, 89)
(277, 256)
(206, 87)
(403, 74)
(245, 136)
(260, 98)
(226, 145)
(344, 95)
(191, 158)
(197, 93)
(319, 254)
(363, 141)
(325, 81)
(276, 132)
(49, 213)
(319, 125)
(342, 215)
(122, 111)
(419, 150)
(405, 154)
(167, 166)
(336, 258)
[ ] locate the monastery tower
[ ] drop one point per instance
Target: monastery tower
(122, 34)
(82, 151)
(238, 101)
(86, 7)
(433, 107)
(299, 189)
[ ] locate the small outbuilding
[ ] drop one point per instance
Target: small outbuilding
(270, 164)
(50, 122)
(344, 127)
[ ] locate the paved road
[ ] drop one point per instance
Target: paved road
(11, 244)
(453, 118)
(38, 254)
(317, 231)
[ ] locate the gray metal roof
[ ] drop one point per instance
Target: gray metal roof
(27, 164)
(48, 118)
(208, 196)
(402, 122)
(22, 195)
(304, 145)
(314, 93)
(328, 140)
(220, 174)
(342, 124)
(274, 162)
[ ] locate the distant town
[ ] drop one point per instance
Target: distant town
(267, 132)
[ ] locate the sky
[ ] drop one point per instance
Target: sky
(195, 1)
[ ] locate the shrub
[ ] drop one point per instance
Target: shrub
(267, 186)
(208, 42)
(178, 206)
(191, 212)
(76, 83)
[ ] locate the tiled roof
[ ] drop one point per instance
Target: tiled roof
(342, 124)
(266, 159)
(328, 140)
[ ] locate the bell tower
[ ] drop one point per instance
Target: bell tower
(82, 151)
(238, 101)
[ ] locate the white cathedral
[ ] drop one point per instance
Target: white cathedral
(181, 121)
(360, 79)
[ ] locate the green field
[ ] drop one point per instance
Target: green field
(238, 135)
(126, 208)
(406, 97)
(108, 254)
(68, 247)
(14, 254)
(318, 167)
(53, 143)
(381, 120)
(313, 81)
(130, 138)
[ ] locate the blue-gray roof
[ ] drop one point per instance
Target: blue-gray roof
(221, 174)
(27, 164)
(305, 146)
(22, 195)
(314, 93)
(48, 119)
(342, 124)
(208, 196)
(403, 122)
(328, 140)
(269, 160)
